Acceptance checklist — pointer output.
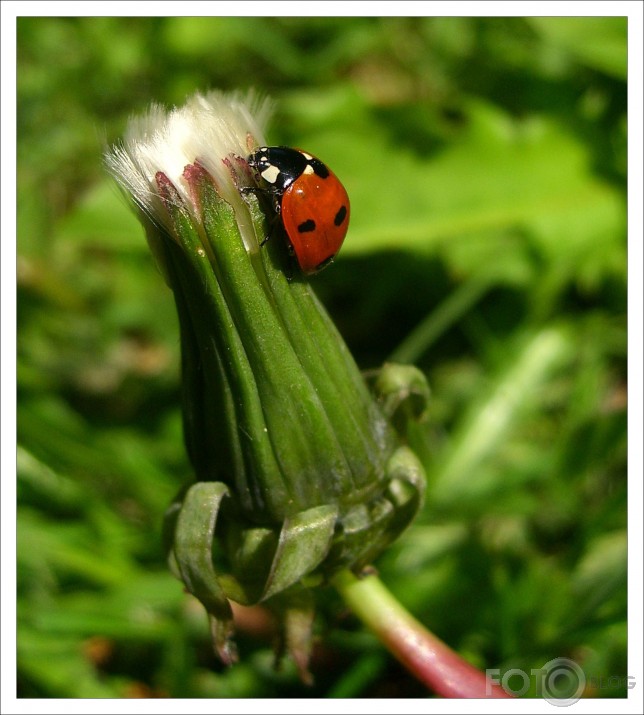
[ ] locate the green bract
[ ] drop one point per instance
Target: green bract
(298, 471)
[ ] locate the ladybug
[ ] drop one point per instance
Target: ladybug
(311, 201)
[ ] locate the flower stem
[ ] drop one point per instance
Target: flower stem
(421, 652)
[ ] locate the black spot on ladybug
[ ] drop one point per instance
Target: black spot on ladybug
(319, 168)
(307, 226)
(340, 216)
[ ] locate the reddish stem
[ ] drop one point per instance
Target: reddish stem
(422, 653)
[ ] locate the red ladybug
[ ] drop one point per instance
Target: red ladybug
(312, 203)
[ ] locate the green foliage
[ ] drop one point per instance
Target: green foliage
(485, 160)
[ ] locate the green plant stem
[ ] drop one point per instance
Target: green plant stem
(421, 652)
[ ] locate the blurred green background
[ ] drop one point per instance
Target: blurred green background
(486, 163)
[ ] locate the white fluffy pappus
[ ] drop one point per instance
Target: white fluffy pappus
(209, 129)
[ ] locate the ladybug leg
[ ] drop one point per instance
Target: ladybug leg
(270, 194)
(261, 190)
(275, 203)
(253, 190)
(274, 224)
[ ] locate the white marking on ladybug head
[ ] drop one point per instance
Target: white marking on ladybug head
(308, 157)
(308, 169)
(270, 174)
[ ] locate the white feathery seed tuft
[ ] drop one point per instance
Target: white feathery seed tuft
(209, 128)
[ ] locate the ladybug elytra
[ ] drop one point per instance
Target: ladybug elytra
(312, 203)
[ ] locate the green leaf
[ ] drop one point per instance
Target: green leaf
(503, 186)
(598, 42)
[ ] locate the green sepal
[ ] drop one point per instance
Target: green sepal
(367, 529)
(193, 542)
(262, 562)
(363, 535)
(304, 542)
(295, 611)
(406, 489)
(403, 394)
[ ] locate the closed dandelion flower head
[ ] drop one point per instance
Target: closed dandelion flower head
(298, 471)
